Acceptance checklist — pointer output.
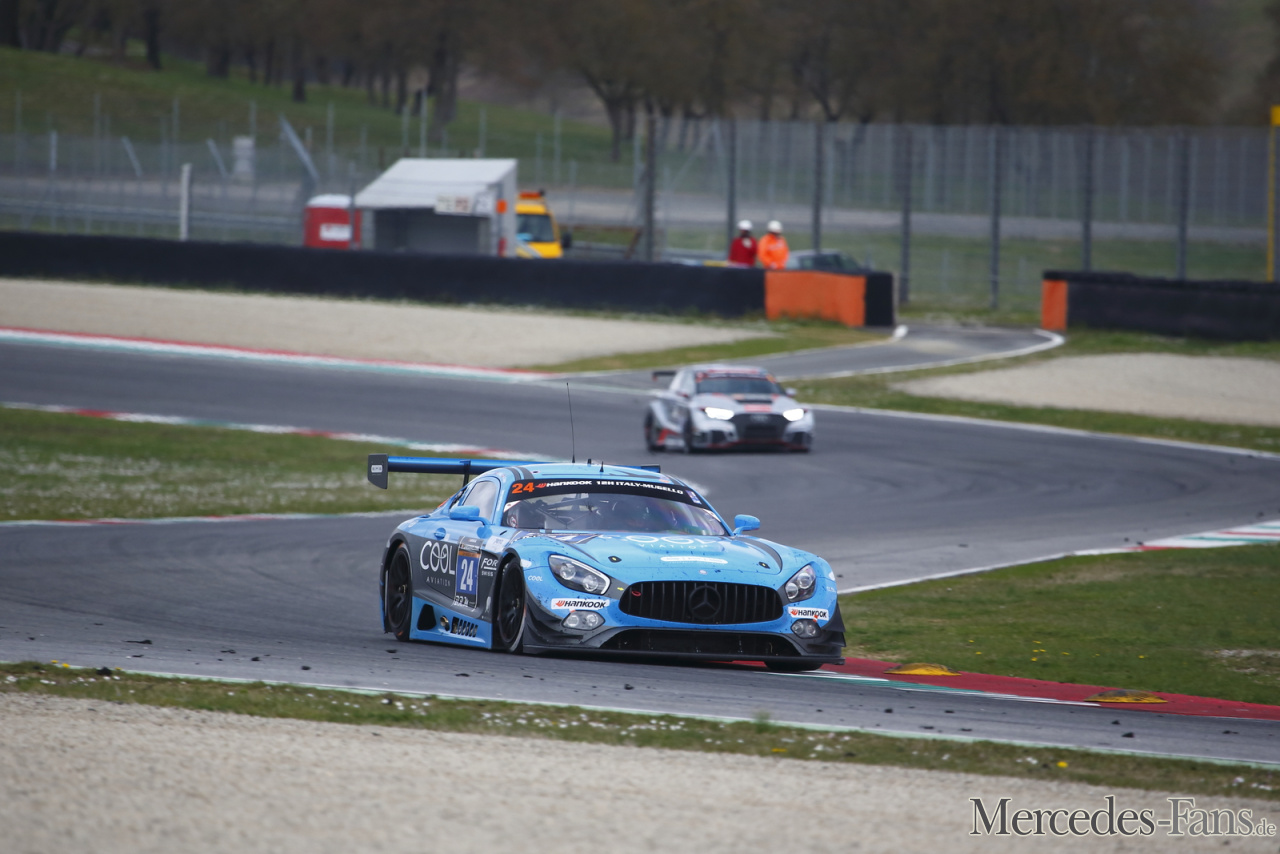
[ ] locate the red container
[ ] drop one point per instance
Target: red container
(327, 223)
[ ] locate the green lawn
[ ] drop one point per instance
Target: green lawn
(56, 466)
(57, 93)
(760, 737)
(1185, 621)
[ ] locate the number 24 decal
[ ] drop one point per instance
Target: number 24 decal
(518, 488)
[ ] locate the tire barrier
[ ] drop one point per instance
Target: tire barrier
(624, 286)
(854, 300)
(618, 286)
(1229, 310)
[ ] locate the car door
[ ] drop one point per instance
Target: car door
(463, 558)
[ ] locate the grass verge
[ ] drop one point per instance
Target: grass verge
(571, 724)
(785, 336)
(877, 392)
(58, 466)
(1185, 621)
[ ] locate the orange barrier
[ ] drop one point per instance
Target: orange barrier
(820, 296)
(1053, 305)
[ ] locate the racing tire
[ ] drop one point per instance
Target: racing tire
(511, 612)
(397, 594)
(792, 666)
(687, 434)
(651, 433)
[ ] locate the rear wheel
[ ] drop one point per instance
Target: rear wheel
(397, 594)
(511, 613)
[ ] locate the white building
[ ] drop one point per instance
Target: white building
(454, 206)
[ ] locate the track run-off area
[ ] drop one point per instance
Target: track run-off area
(886, 497)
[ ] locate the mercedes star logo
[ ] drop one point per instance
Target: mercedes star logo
(703, 603)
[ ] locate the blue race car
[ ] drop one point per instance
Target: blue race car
(612, 560)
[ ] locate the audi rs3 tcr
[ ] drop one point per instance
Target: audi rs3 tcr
(708, 407)
(609, 560)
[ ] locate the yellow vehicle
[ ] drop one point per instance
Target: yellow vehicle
(537, 229)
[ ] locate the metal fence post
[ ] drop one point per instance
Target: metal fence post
(731, 183)
(184, 203)
(555, 150)
(1184, 200)
(817, 186)
(904, 260)
(1086, 207)
(650, 185)
(996, 149)
(422, 125)
(1273, 220)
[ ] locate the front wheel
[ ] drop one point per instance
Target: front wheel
(397, 594)
(651, 433)
(687, 434)
(511, 612)
(784, 666)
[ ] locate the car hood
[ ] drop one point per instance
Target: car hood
(639, 556)
(746, 402)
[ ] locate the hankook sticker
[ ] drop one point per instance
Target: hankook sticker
(821, 614)
(579, 604)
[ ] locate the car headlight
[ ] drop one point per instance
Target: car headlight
(717, 413)
(577, 575)
(793, 414)
(801, 585)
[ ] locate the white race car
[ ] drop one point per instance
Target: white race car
(710, 407)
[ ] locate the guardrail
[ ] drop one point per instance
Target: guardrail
(1232, 310)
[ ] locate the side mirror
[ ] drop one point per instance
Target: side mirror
(566, 240)
(465, 513)
(743, 523)
(790, 392)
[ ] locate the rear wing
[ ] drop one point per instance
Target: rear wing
(380, 467)
(662, 375)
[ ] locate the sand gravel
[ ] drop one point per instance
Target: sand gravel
(345, 328)
(1219, 389)
(79, 775)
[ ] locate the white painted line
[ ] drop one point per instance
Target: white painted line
(178, 520)
(147, 345)
(1052, 339)
(1240, 535)
(1044, 428)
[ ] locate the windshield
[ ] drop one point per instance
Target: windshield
(738, 385)
(830, 261)
(602, 505)
(535, 228)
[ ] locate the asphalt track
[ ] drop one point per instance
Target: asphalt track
(883, 496)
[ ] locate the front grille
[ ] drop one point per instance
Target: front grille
(729, 644)
(713, 603)
(759, 427)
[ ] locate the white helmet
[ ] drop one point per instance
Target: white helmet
(744, 225)
(775, 226)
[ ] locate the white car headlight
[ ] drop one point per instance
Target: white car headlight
(577, 575)
(793, 414)
(801, 585)
(717, 413)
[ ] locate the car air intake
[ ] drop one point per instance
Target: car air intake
(759, 427)
(712, 603)
(672, 642)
